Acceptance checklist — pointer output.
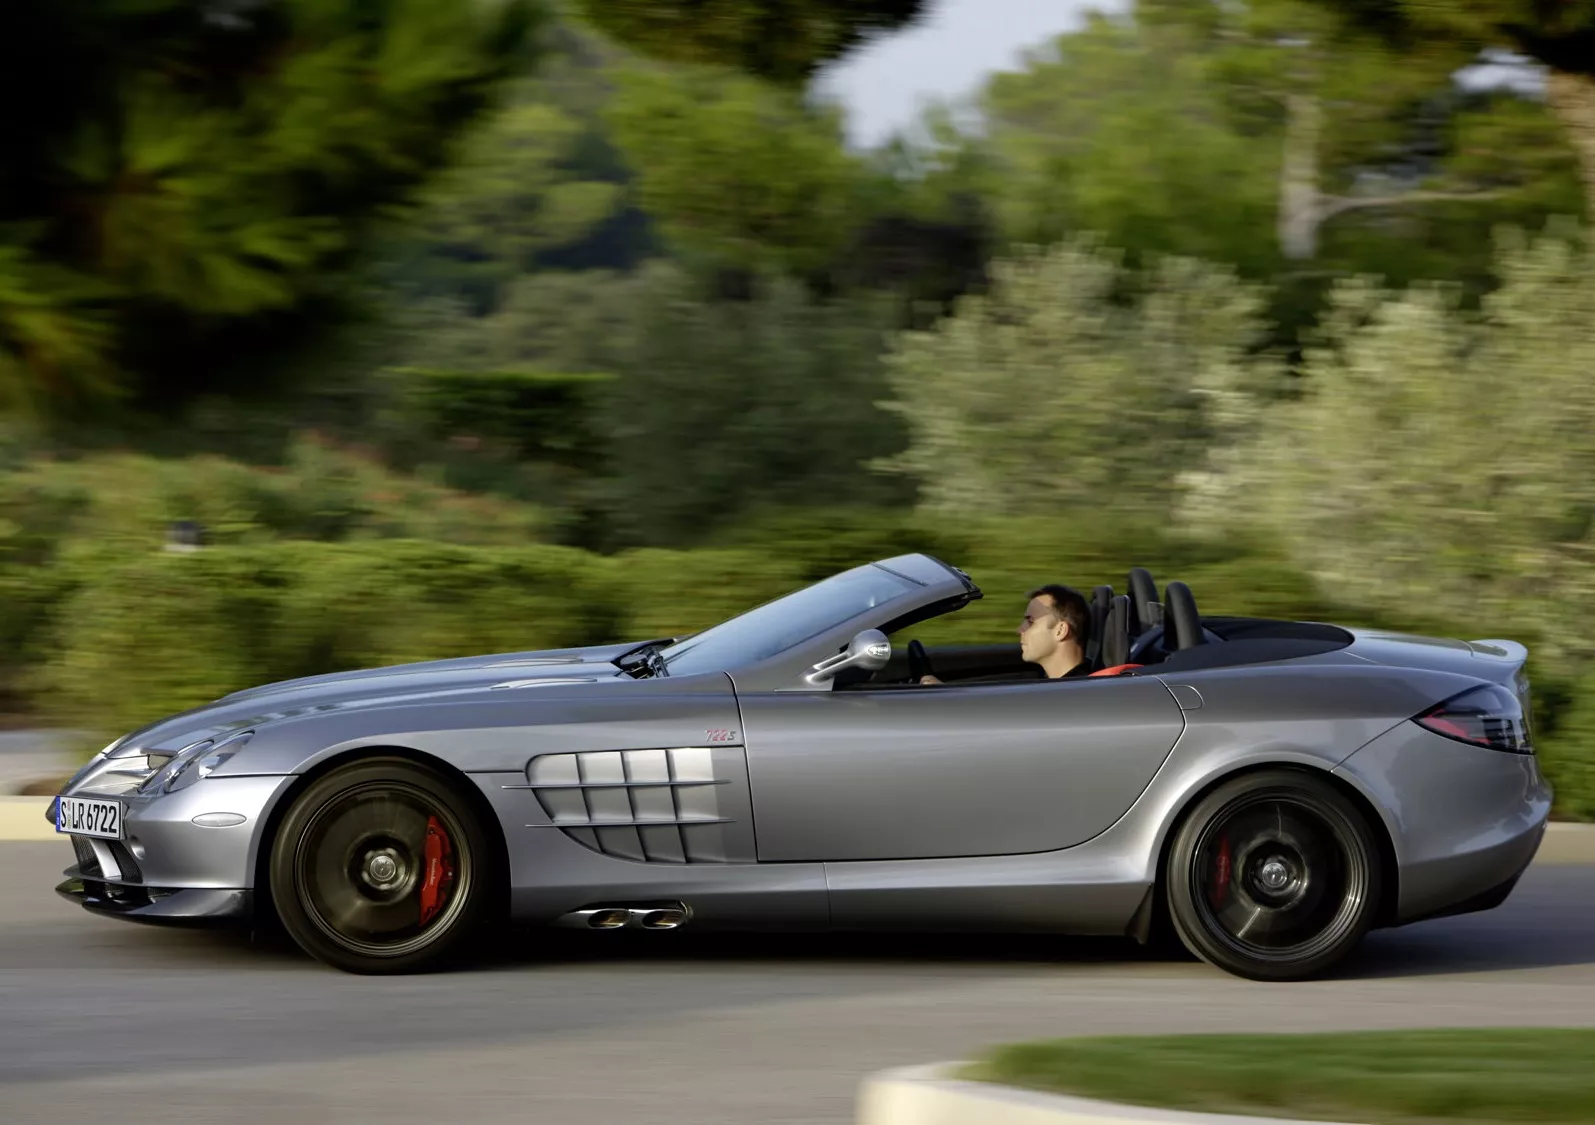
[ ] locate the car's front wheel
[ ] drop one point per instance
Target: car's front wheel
(1274, 876)
(381, 867)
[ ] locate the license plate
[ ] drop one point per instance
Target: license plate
(82, 816)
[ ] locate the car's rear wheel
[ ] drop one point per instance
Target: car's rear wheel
(381, 867)
(1274, 876)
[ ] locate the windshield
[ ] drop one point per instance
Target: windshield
(787, 621)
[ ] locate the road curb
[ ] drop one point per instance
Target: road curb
(930, 1095)
(22, 820)
(1567, 843)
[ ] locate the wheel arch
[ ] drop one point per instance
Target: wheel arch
(1390, 882)
(265, 909)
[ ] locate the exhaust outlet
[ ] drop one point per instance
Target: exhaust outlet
(667, 918)
(654, 916)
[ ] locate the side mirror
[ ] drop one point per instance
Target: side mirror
(869, 650)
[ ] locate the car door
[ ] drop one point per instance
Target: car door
(920, 773)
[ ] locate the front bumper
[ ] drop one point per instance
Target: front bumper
(168, 868)
(175, 906)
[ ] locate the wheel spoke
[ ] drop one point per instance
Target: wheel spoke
(380, 869)
(1274, 878)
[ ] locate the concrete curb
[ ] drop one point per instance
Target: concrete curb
(929, 1095)
(22, 820)
(1567, 843)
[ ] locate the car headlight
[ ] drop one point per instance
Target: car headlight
(201, 761)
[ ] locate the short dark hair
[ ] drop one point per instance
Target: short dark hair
(1072, 606)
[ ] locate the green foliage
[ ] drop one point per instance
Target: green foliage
(539, 183)
(1567, 749)
(668, 593)
(1451, 453)
(63, 524)
(713, 407)
(532, 415)
(195, 179)
(158, 633)
(725, 406)
(1562, 35)
(117, 504)
(1486, 1076)
(1273, 136)
(737, 169)
(511, 196)
(1073, 385)
(1120, 130)
(784, 41)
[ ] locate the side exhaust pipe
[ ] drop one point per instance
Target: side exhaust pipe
(668, 916)
(667, 919)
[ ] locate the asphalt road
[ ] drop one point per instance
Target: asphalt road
(106, 1021)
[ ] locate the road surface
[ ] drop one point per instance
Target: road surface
(106, 1021)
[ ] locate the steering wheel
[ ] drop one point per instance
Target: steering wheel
(918, 662)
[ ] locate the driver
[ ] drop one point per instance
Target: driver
(1053, 632)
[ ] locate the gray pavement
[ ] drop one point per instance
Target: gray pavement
(100, 1019)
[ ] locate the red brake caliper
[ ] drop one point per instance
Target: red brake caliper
(1222, 863)
(439, 869)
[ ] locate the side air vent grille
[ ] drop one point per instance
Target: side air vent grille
(677, 805)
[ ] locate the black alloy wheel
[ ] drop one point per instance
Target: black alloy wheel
(381, 867)
(1274, 876)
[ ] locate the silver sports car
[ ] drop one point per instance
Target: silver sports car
(1266, 790)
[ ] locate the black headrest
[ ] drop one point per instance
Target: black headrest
(1116, 633)
(1101, 599)
(1182, 624)
(1146, 609)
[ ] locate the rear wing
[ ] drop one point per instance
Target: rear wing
(1507, 652)
(1511, 659)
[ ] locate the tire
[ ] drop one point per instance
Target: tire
(351, 863)
(1274, 876)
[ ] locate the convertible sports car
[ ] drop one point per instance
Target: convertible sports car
(1267, 790)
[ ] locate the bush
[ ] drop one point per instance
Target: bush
(1075, 385)
(126, 501)
(1438, 456)
(29, 601)
(667, 593)
(161, 633)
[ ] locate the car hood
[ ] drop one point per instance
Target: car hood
(371, 687)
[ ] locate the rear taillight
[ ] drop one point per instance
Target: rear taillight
(1488, 716)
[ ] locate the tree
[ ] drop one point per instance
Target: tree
(783, 41)
(198, 176)
(538, 184)
(736, 169)
(723, 406)
(1437, 457)
(1074, 385)
(1560, 36)
(1117, 129)
(1188, 125)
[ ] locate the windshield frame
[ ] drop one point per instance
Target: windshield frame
(744, 650)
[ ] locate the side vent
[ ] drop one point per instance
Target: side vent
(676, 805)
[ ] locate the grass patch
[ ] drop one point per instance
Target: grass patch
(1487, 1077)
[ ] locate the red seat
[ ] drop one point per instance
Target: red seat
(1115, 670)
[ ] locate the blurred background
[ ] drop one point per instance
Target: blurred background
(455, 326)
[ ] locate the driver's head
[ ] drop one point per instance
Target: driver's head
(1056, 626)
